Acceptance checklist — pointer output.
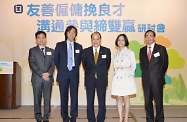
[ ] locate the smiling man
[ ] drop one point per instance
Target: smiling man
(154, 63)
(68, 56)
(41, 62)
(96, 62)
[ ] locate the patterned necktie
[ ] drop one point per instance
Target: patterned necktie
(95, 60)
(42, 49)
(70, 56)
(149, 54)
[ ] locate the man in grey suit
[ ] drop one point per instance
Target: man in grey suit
(41, 62)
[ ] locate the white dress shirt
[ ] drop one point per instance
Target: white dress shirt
(43, 49)
(98, 48)
(152, 47)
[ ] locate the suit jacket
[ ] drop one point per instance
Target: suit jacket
(40, 64)
(153, 71)
(101, 68)
(61, 60)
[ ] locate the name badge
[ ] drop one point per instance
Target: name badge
(49, 53)
(103, 56)
(77, 51)
(156, 54)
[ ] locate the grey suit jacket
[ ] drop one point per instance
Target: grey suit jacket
(40, 64)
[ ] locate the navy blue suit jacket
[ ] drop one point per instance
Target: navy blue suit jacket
(60, 58)
(101, 68)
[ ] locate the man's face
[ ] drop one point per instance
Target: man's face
(71, 34)
(96, 40)
(41, 39)
(149, 38)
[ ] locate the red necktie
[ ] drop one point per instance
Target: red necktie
(149, 53)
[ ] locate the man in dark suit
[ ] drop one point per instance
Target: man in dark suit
(68, 56)
(96, 62)
(154, 63)
(41, 62)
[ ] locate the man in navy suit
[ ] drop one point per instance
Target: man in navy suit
(67, 57)
(96, 62)
(154, 63)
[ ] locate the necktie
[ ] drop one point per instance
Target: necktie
(96, 56)
(95, 60)
(70, 56)
(149, 53)
(42, 49)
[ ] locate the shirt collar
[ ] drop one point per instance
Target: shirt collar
(98, 48)
(41, 46)
(68, 42)
(152, 46)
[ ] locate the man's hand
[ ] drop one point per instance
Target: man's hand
(45, 76)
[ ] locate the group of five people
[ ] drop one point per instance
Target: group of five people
(96, 60)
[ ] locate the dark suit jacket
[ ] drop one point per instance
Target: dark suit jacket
(153, 72)
(61, 60)
(101, 68)
(40, 64)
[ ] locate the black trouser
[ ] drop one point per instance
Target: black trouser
(72, 84)
(156, 93)
(101, 95)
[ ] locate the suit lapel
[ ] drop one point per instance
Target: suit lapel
(154, 51)
(64, 47)
(40, 52)
(46, 50)
(100, 56)
(92, 55)
(145, 54)
(75, 48)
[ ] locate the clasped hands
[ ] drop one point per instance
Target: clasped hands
(45, 76)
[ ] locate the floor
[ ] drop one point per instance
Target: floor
(137, 114)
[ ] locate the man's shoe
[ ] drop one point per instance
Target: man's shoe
(46, 121)
(65, 120)
(73, 119)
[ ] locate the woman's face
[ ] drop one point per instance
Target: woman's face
(121, 41)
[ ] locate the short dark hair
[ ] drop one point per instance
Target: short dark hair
(69, 29)
(96, 33)
(40, 32)
(154, 34)
(125, 38)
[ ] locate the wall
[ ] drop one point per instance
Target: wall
(17, 36)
